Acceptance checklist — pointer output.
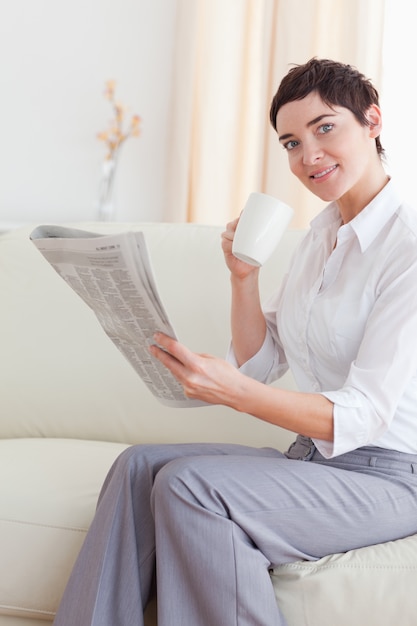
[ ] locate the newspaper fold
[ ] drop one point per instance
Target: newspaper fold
(113, 275)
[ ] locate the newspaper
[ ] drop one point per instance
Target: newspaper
(113, 275)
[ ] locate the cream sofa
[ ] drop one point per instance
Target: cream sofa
(70, 404)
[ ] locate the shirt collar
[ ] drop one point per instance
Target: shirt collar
(369, 222)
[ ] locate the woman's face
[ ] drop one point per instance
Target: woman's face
(329, 151)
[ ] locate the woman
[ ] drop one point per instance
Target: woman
(216, 518)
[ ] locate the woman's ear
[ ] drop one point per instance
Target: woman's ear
(374, 117)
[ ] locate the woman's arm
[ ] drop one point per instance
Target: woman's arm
(247, 319)
(215, 381)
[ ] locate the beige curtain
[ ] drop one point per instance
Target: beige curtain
(229, 58)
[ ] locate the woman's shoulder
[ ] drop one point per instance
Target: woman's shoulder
(407, 216)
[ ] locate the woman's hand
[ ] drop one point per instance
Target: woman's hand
(238, 268)
(216, 381)
(202, 376)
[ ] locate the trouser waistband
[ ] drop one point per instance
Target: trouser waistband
(303, 449)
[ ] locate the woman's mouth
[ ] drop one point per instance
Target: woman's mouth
(322, 174)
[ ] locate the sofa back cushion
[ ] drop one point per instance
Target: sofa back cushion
(62, 377)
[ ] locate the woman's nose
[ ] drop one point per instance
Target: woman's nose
(312, 152)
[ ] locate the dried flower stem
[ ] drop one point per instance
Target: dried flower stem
(115, 136)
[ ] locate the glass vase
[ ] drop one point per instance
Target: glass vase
(106, 207)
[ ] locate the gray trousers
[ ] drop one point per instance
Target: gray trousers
(215, 518)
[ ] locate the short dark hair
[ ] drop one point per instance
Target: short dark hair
(337, 84)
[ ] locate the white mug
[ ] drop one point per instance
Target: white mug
(262, 223)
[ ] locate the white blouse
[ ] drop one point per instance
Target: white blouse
(345, 322)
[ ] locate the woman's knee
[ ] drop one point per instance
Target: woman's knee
(128, 459)
(136, 464)
(188, 480)
(171, 477)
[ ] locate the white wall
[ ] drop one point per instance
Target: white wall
(398, 95)
(55, 57)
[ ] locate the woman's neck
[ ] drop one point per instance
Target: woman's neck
(352, 203)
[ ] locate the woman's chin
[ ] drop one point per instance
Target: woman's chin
(324, 194)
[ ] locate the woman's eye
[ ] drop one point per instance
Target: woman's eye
(290, 145)
(325, 128)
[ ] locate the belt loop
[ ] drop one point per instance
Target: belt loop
(414, 468)
(373, 461)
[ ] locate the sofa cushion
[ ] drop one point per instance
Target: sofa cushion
(48, 495)
(371, 585)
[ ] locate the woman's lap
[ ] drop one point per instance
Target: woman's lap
(316, 508)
